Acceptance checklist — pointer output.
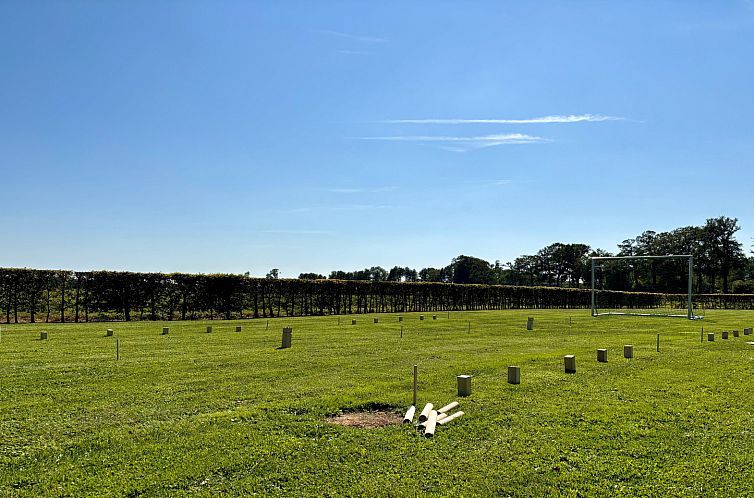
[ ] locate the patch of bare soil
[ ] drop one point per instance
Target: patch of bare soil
(366, 420)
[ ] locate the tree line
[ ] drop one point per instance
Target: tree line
(720, 265)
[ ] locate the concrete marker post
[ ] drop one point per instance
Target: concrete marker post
(628, 351)
(464, 385)
(530, 323)
(400, 318)
(376, 320)
(165, 330)
(287, 338)
(109, 333)
(710, 337)
(602, 355)
(725, 334)
(735, 333)
(570, 363)
(434, 317)
(43, 335)
(421, 317)
(514, 375)
(209, 329)
(747, 331)
(238, 328)
(353, 321)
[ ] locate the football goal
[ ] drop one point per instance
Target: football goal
(643, 286)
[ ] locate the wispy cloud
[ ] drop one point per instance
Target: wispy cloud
(463, 144)
(361, 190)
(355, 52)
(299, 232)
(349, 36)
(571, 118)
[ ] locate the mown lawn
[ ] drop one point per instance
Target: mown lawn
(193, 413)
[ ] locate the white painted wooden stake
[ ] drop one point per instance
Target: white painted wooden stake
(429, 428)
(425, 412)
(450, 418)
(409, 417)
(448, 407)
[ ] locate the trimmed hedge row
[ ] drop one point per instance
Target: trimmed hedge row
(28, 295)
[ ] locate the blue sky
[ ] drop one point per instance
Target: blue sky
(313, 136)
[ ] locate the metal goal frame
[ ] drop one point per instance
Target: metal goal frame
(690, 312)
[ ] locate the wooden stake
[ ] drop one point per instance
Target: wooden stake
(401, 331)
(469, 328)
(416, 372)
(409, 417)
(450, 418)
(117, 349)
(658, 343)
(448, 407)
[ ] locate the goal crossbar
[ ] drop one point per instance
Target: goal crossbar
(690, 312)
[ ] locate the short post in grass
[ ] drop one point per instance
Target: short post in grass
(469, 327)
(711, 337)
(238, 328)
(421, 317)
(701, 335)
(602, 355)
(338, 320)
(43, 335)
(530, 323)
(287, 337)
(747, 331)
(570, 363)
(725, 334)
(117, 349)
(735, 333)
(416, 375)
(109, 333)
(658, 343)
(464, 385)
(448, 315)
(514, 375)
(268, 325)
(376, 320)
(353, 321)
(401, 331)
(400, 318)
(628, 351)
(434, 317)
(165, 330)
(209, 329)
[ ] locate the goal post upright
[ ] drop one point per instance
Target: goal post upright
(689, 300)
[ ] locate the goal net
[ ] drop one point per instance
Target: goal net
(643, 286)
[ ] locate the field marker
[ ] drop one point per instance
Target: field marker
(747, 331)
(117, 349)
(109, 333)
(725, 334)
(711, 337)
(268, 325)
(424, 415)
(287, 337)
(376, 320)
(165, 330)
(43, 335)
(570, 363)
(434, 317)
(338, 319)
(409, 417)
(701, 336)
(421, 317)
(602, 355)
(416, 371)
(238, 328)
(353, 321)
(448, 315)
(628, 351)
(400, 318)
(209, 329)
(464, 385)
(401, 331)
(514, 375)
(735, 333)
(530, 323)
(658, 343)
(469, 327)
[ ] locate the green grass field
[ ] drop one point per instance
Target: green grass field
(193, 413)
